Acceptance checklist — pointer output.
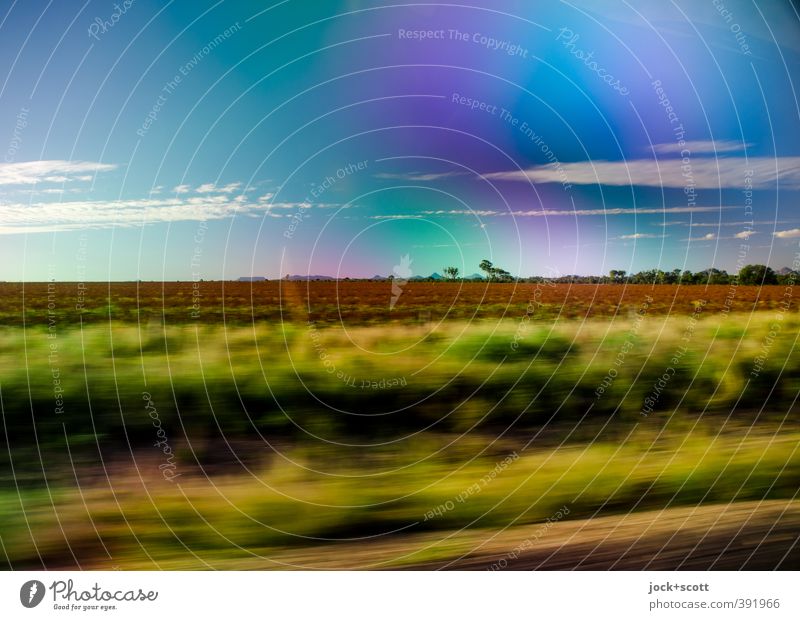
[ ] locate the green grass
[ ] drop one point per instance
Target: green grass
(281, 505)
(718, 432)
(241, 381)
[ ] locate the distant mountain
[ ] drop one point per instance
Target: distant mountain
(379, 278)
(784, 271)
(433, 276)
(474, 276)
(306, 278)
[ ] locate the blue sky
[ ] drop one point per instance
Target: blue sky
(177, 140)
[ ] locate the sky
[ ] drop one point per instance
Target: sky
(213, 140)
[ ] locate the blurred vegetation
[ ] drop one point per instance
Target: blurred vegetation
(138, 520)
(282, 432)
(383, 383)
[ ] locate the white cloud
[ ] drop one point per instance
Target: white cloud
(212, 188)
(575, 212)
(745, 234)
(49, 191)
(794, 233)
(706, 237)
(478, 212)
(702, 146)
(642, 236)
(50, 171)
(181, 189)
(418, 176)
(54, 216)
(734, 224)
(705, 173)
(278, 205)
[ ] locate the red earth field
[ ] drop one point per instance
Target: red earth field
(359, 302)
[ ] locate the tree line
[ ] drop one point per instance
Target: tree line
(749, 275)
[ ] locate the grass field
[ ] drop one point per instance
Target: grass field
(193, 444)
(135, 519)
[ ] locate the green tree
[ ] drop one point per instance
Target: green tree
(502, 275)
(617, 275)
(451, 273)
(495, 273)
(712, 276)
(756, 275)
(488, 268)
